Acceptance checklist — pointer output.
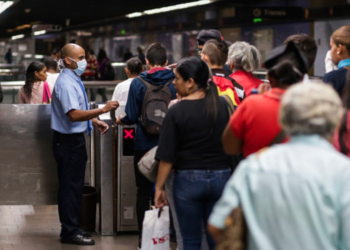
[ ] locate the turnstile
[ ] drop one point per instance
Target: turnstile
(125, 185)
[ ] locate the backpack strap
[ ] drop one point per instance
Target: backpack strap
(229, 104)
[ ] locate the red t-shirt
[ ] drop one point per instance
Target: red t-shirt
(247, 80)
(346, 137)
(255, 122)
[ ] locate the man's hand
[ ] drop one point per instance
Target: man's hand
(100, 125)
(119, 122)
(110, 105)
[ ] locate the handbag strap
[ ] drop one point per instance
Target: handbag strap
(46, 93)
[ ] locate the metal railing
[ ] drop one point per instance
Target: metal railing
(87, 84)
(11, 88)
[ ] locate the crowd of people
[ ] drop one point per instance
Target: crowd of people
(274, 154)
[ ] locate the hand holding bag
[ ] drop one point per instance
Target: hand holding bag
(155, 230)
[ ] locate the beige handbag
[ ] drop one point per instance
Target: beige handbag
(148, 166)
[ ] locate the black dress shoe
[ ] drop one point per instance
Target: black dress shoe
(86, 234)
(79, 240)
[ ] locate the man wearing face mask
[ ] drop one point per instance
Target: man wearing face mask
(70, 119)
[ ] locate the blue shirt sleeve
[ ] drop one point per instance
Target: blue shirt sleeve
(133, 105)
(68, 97)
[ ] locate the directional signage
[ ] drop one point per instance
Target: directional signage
(47, 27)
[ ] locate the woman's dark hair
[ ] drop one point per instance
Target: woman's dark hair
(101, 55)
(285, 72)
(30, 76)
(193, 67)
(343, 129)
(134, 65)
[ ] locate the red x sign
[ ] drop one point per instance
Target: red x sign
(128, 134)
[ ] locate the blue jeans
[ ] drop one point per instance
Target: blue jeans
(195, 194)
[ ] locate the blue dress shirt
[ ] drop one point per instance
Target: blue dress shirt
(294, 196)
(66, 96)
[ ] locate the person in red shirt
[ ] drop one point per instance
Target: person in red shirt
(254, 125)
(90, 72)
(243, 59)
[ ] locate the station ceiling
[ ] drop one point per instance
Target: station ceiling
(72, 13)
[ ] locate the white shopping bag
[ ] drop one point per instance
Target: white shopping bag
(155, 230)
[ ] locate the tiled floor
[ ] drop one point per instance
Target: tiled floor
(38, 227)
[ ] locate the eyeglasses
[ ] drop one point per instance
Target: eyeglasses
(199, 51)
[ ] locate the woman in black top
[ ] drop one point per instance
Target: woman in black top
(190, 143)
(340, 52)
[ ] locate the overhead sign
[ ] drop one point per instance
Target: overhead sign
(249, 13)
(47, 27)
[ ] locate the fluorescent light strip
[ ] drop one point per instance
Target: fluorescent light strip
(170, 8)
(36, 56)
(17, 37)
(4, 5)
(40, 32)
(135, 14)
(115, 64)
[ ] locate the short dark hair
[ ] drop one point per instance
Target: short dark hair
(134, 65)
(50, 63)
(307, 46)
(217, 51)
(156, 54)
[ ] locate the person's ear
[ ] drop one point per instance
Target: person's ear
(339, 49)
(190, 83)
(204, 57)
(166, 63)
(147, 63)
(127, 71)
(36, 73)
(67, 61)
(231, 65)
(273, 82)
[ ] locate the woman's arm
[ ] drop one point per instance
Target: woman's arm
(232, 145)
(163, 173)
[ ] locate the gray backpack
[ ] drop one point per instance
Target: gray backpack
(155, 105)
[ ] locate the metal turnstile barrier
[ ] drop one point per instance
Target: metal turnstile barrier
(125, 184)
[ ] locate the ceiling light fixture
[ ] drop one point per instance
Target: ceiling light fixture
(40, 32)
(135, 14)
(4, 5)
(17, 37)
(170, 8)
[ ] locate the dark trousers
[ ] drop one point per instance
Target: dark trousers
(70, 154)
(144, 191)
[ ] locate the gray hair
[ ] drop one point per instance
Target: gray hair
(312, 108)
(244, 56)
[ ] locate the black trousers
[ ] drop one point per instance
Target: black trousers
(70, 154)
(144, 195)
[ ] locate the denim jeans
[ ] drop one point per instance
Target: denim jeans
(195, 194)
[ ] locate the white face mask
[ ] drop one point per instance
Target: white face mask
(81, 66)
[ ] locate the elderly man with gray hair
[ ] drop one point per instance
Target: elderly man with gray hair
(294, 195)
